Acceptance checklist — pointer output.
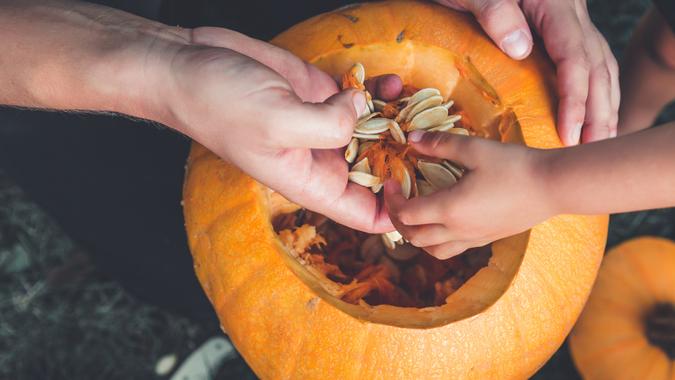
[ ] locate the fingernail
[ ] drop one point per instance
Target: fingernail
(516, 44)
(575, 135)
(359, 101)
(416, 136)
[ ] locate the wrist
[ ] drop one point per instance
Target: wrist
(130, 67)
(551, 193)
(80, 56)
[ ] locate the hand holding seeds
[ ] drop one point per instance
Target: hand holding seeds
(503, 193)
(280, 120)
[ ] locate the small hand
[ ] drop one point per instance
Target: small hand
(587, 71)
(280, 120)
(502, 194)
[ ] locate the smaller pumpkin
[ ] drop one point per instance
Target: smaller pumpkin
(627, 329)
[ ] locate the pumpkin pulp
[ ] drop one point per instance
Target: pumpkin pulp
(660, 327)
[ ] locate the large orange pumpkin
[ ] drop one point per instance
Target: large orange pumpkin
(627, 330)
(503, 323)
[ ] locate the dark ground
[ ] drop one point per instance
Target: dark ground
(61, 318)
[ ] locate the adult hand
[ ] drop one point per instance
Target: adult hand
(587, 71)
(279, 119)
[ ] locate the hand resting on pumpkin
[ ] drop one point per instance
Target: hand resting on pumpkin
(587, 72)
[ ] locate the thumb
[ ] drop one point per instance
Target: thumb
(504, 22)
(326, 125)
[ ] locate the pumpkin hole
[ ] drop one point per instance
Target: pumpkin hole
(660, 327)
(367, 272)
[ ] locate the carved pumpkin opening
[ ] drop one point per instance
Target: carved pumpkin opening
(355, 270)
(660, 327)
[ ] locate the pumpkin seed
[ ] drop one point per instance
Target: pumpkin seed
(358, 72)
(428, 118)
(453, 118)
(365, 118)
(459, 131)
(364, 179)
(352, 150)
(423, 94)
(369, 101)
(424, 187)
(448, 104)
(390, 244)
(455, 169)
(396, 132)
(436, 174)
(425, 104)
(362, 166)
(379, 104)
(406, 184)
(413, 100)
(376, 189)
(364, 136)
(442, 128)
(373, 126)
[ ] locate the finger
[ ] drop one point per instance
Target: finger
(358, 208)
(561, 30)
(447, 250)
(385, 87)
(308, 82)
(427, 235)
(411, 212)
(615, 87)
(290, 123)
(598, 104)
(462, 149)
(504, 22)
(319, 183)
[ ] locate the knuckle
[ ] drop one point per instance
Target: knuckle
(582, 61)
(344, 126)
(438, 141)
(415, 240)
(405, 217)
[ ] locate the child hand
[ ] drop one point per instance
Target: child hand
(502, 193)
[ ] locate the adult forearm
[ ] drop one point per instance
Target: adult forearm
(633, 172)
(79, 56)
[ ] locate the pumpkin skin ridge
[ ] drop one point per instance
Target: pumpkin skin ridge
(483, 340)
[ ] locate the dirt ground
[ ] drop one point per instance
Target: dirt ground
(60, 318)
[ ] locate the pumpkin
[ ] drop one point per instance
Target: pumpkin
(627, 329)
(286, 319)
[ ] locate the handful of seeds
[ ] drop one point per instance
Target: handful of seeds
(379, 150)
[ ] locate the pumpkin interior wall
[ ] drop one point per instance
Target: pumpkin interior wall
(422, 281)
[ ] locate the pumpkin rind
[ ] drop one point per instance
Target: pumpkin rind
(609, 341)
(284, 328)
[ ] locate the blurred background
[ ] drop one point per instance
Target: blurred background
(62, 317)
